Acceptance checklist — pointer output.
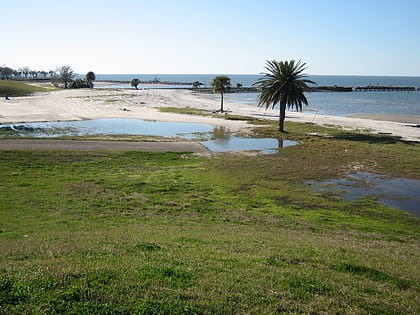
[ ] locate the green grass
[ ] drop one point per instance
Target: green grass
(18, 88)
(174, 233)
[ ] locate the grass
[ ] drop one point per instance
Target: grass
(175, 233)
(203, 112)
(18, 88)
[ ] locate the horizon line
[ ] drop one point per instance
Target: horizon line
(309, 74)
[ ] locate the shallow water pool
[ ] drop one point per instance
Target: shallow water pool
(400, 193)
(265, 145)
(218, 138)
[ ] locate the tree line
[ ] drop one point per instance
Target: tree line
(62, 76)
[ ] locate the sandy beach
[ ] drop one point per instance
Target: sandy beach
(67, 105)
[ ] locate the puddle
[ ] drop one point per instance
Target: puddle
(110, 127)
(400, 193)
(219, 138)
(265, 146)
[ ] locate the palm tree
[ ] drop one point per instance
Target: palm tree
(284, 84)
(221, 84)
(90, 77)
(135, 83)
(196, 84)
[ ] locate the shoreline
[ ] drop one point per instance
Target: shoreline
(86, 104)
(394, 118)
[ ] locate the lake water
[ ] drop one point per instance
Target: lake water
(327, 103)
(400, 193)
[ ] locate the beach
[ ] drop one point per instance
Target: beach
(85, 104)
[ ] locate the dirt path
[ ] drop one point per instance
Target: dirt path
(81, 145)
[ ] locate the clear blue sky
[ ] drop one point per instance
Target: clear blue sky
(369, 37)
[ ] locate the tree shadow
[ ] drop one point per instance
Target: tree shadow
(370, 138)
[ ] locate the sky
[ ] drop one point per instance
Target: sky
(333, 37)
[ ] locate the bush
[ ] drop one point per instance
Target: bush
(79, 84)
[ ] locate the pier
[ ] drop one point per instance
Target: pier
(316, 88)
(384, 88)
(253, 89)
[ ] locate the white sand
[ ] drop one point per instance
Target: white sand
(65, 105)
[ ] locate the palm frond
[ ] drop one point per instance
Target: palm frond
(284, 82)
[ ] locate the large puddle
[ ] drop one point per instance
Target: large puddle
(132, 127)
(232, 143)
(217, 139)
(400, 193)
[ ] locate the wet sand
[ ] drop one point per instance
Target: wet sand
(394, 118)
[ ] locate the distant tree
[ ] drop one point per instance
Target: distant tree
(66, 75)
(135, 83)
(90, 77)
(221, 84)
(239, 85)
(197, 84)
(283, 84)
(25, 71)
(17, 74)
(6, 73)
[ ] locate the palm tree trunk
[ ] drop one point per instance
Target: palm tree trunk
(282, 116)
(221, 102)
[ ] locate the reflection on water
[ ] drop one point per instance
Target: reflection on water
(266, 145)
(219, 138)
(401, 193)
(222, 140)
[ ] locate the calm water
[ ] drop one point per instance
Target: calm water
(350, 103)
(218, 138)
(400, 193)
(327, 103)
(267, 145)
(111, 127)
(249, 79)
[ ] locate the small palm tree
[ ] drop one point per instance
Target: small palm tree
(284, 84)
(221, 84)
(197, 84)
(135, 83)
(90, 77)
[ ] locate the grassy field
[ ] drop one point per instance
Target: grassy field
(175, 233)
(18, 88)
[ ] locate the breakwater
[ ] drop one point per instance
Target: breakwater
(252, 89)
(384, 88)
(336, 88)
(333, 88)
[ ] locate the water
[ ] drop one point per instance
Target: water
(219, 138)
(350, 103)
(267, 146)
(111, 127)
(400, 193)
(249, 79)
(326, 103)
